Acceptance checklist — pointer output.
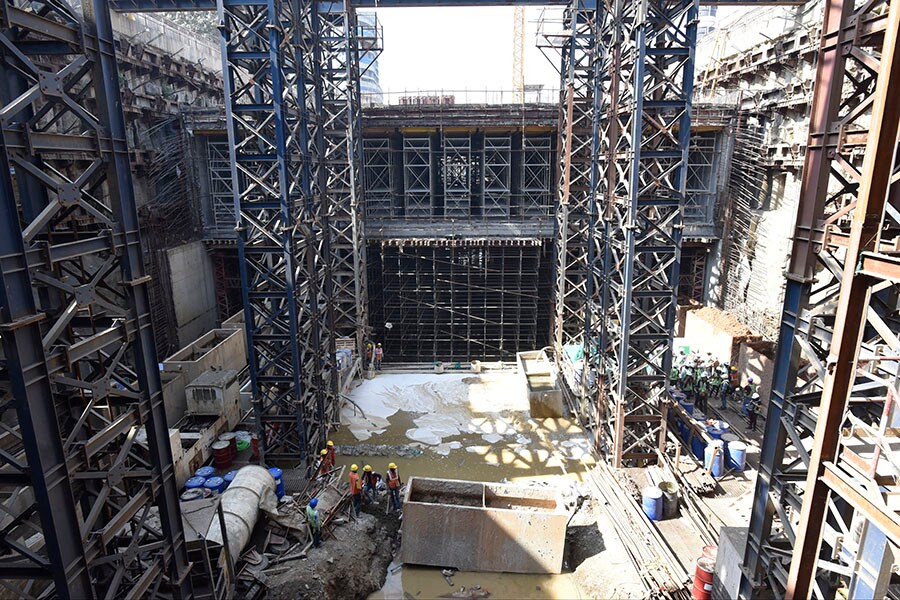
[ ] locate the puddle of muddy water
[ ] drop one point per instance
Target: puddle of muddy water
(426, 582)
(479, 429)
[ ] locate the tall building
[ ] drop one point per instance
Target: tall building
(369, 85)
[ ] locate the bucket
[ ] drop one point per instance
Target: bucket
(688, 406)
(204, 472)
(192, 494)
(194, 482)
(243, 444)
(279, 482)
(715, 432)
(738, 455)
(703, 578)
(670, 498)
(652, 502)
(716, 448)
(727, 439)
(215, 484)
(229, 477)
(700, 417)
(221, 455)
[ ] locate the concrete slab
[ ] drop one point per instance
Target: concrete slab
(475, 526)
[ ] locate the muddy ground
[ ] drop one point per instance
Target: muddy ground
(351, 563)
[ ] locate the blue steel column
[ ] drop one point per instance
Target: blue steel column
(74, 317)
(263, 106)
(649, 158)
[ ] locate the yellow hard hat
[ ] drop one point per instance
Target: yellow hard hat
(354, 468)
(367, 468)
(392, 466)
(330, 444)
(323, 452)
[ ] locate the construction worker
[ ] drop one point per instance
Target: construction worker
(702, 388)
(355, 490)
(379, 356)
(687, 383)
(753, 411)
(674, 373)
(752, 385)
(369, 483)
(368, 354)
(733, 380)
(393, 483)
(314, 523)
(332, 456)
(323, 467)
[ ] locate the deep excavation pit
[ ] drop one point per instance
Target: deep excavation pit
(468, 427)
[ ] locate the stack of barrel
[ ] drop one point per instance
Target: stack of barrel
(660, 501)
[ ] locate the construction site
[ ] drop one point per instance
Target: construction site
(406, 299)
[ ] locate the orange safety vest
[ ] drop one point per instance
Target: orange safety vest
(355, 484)
(393, 478)
(330, 457)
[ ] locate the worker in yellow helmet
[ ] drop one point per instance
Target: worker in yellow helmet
(355, 490)
(323, 468)
(332, 456)
(369, 481)
(393, 484)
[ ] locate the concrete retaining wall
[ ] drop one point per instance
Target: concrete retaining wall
(193, 290)
(475, 526)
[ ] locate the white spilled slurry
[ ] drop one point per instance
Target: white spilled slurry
(444, 406)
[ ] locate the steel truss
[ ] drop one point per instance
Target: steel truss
(576, 159)
(338, 42)
(90, 506)
(836, 368)
(281, 260)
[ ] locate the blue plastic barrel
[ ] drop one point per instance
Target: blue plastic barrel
(194, 482)
(698, 447)
(215, 484)
(279, 482)
(738, 455)
(229, 477)
(718, 463)
(728, 438)
(688, 406)
(652, 502)
(715, 432)
(205, 472)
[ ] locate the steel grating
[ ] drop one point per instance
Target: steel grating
(89, 497)
(829, 346)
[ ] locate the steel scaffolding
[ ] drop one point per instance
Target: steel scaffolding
(576, 158)
(87, 457)
(817, 498)
(459, 300)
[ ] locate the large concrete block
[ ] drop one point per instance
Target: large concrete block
(730, 555)
(219, 349)
(475, 526)
(538, 377)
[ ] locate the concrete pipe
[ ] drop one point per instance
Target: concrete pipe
(240, 505)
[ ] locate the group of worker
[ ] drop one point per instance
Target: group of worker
(702, 378)
(374, 356)
(362, 488)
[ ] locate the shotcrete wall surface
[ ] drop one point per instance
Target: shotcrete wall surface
(475, 526)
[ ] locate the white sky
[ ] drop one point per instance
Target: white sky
(451, 49)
